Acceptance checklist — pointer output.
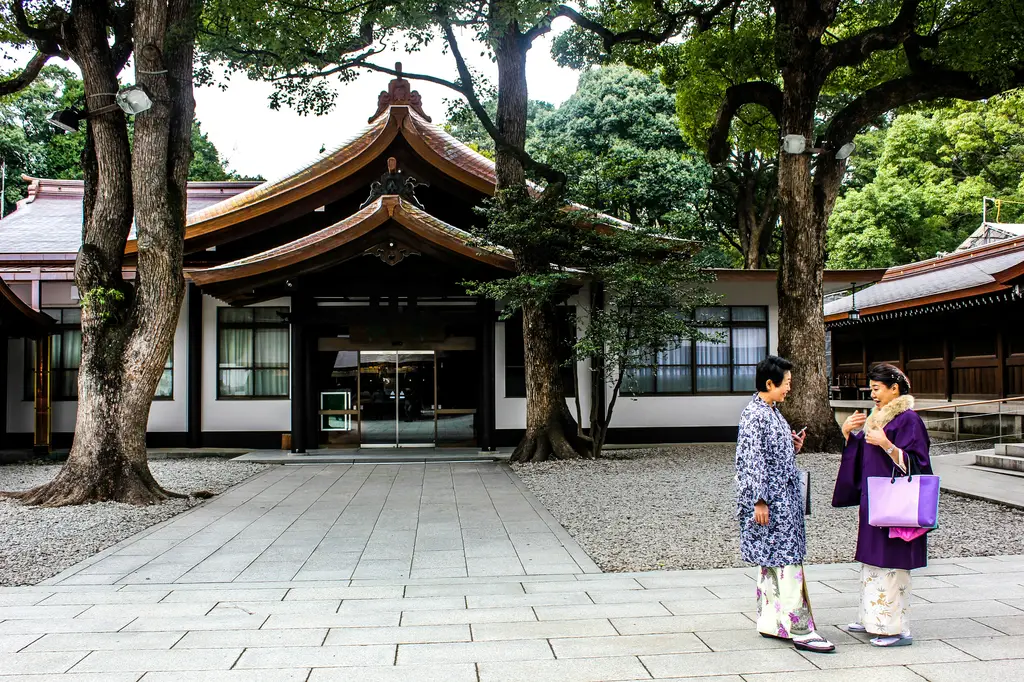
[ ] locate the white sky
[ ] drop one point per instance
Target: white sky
(259, 141)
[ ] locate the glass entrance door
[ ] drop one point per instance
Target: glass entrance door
(396, 398)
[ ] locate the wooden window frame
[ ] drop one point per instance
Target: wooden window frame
(254, 325)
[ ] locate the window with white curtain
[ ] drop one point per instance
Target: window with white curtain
(725, 363)
(252, 353)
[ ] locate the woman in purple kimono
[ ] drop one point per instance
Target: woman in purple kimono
(770, 507)
(892, 436)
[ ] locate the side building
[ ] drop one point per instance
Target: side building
(325, 309)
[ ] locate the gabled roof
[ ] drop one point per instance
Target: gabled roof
(312, 252)
(990, 232)
(49, 220)
(987, 269)
(17, 319)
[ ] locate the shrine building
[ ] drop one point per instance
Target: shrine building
(325, 309)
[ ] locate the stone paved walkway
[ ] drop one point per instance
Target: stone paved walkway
(151, 621)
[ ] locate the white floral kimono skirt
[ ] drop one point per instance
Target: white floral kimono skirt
(783, 609)
(885, 600)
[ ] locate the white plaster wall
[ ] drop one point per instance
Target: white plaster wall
(510, 413)
(682, 411)
(169, 415)
(236, 415)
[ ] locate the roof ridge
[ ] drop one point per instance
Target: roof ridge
(983, 252)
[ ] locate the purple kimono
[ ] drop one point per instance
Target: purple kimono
(861, 460)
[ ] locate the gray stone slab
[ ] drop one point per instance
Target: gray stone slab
(705, 606)
(225, 621)
(627, 645)
(106, 641)
(463, 590)
(575, 670)
(457, 616)
(669, 624)
(292, 675)
(158, 661)
(331, 620)
(73, 677)
(991, 648)
(600, 611)
(35, 663)
(109, 611)
(12, 643)
(725, 663)
(473, 652)
(227, 639)
(22, 612)
(880, 674)
(460, 672)
(1007, 625)
(406, 634)
(866, 656)
(483, 632)
(316, 657)
(410, 604)
(273, 607)
(45, 625)
(672, 594)
(542, 599)
(344, 592)
(562, 586)
(989, 671)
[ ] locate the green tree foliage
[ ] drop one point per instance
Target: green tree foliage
(33, 147)
(919, 183)
(465, 125)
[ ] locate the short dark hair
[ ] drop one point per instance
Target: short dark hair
(772, 367)
(890, 375)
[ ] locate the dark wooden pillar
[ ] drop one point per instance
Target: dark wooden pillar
(297, 373)
(194, 371)
(4, 386)
(487, 369)
(947, 367)
(312, 394)
(1000, 364)
(41, 440)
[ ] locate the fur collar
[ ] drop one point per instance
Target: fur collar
(879, 417)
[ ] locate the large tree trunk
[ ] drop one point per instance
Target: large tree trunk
(551, 430)
(127, 330)
(805, 203)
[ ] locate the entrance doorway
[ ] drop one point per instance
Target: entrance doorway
(395, 399)
(397, 394)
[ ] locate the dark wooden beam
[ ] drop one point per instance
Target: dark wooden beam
(297, 375)
(1000, 364)
(947, 366)
(486, 410)
(4, 388)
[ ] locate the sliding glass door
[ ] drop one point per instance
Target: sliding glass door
(396, 398)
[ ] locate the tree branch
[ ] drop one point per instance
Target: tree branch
(858, 48)
(919, 87)
(27, 75)
(674, 22)
(768, 95)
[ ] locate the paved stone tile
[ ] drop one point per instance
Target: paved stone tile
(1011, 594)
(227, 639)
(34, 663)
(358, 592)
(562, 586)
(947, 628)
(457, 616)
(407, 634)
(575, 670)
(331, 620)
(881, 674)
(411, 604)
(745, 639)
(1007, 625)
(706, 606)
(668, 624)
(158, 661)
(12, 643)
(600, 611)
(72, 677)
(293, 675)
(473, 652)
(463, 590)
(83, 597)
(106, 641)
(627, 645)
(22, 612)
(269, 607)
(673, 594)
(228, 621)
(865, 656)
(483, 632)
(45, 625)
(460, 672)
(316, 657)
(987, 671)
(451, 572)
(225, 595)
(991, 648)
(725, 663)
(542, 599)
(654, 581)
(111, 611)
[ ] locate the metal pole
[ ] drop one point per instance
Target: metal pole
(956, 429)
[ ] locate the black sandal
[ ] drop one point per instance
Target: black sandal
(808, 645)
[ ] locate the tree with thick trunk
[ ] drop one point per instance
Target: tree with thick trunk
(127, 325)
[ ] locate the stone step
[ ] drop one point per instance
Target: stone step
(1010, 449)
(1001, 472)
(993, 461)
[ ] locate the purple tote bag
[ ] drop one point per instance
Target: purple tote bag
(904, 501)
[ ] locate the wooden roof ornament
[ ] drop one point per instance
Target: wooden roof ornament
(399, 92)
(394, 183)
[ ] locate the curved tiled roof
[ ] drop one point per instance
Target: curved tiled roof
(19, 319)
(962, 274)
(382, 210)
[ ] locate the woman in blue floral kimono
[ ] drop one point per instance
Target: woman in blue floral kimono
(770, 506)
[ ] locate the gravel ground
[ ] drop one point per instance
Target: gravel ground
(673, 508)
(36, 543)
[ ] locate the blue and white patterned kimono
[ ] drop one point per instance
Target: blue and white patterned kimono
(766, 470)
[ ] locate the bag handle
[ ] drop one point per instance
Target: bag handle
(912, 468)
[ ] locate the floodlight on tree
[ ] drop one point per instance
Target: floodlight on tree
(794, 144)
(133, 100)
(66, 120)
(845, 151)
